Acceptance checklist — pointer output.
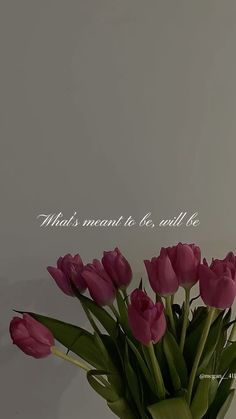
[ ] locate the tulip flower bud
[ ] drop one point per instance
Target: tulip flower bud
(68, 274)
(185, 259)
(117, 267)
(99, 283)
(161, 274)
(218, 282)
(31, 337)
(146, 319)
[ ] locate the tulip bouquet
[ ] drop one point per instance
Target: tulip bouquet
(148, 359)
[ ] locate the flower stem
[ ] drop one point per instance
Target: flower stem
(76, 362)
(170, 314)
(185, 320)
(156, 371)
(200, 349)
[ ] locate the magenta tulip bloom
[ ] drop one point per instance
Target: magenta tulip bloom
(68, 274)
(117, 267)
(230, 258)
(146, 319)
(99, 283)
(218, 282)
(185, 260)
(161, 274)
(31, 337)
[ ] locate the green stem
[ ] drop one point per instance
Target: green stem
(76, 362)
(185, 320)
(170, 314)
(157, 372)
(200, 349)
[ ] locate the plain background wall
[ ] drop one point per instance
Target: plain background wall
(108, 107)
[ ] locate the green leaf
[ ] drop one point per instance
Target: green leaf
(179, 322)
(230, 324)
(114, 376)
(74, 338)
(105, 391)
(224, 409)
(103, 349)
(122, 307)
(170, 409)
(219, 349)
(143, 366)
(132, 380)
(227, 317)
(222, 391)
(200, 401)
(176, 362)
(159, 351)
(194, 333)
(227, 357)
(212, 391)
(107, 321)
(122, 409)
(199, 315)
(199, 404)
(211, 343)
(112, 349)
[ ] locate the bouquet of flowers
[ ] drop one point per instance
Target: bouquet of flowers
(148, 359)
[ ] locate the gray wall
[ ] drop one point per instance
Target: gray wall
(109, 107)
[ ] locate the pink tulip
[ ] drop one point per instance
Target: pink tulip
(117, 267)
(230, 257)
(146, 319)
(99, 283)
(218, 282)
(68, 274)
(185, 259)
(31, 337)
(161, 274)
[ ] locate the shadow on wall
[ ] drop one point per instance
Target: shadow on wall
(37, 385)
